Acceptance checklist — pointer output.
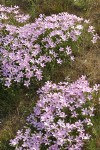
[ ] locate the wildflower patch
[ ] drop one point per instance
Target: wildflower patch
(26, 50)
(61, 119)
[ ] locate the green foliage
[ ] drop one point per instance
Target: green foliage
(81, 4)
(8, 100)
(4, 143)
(48, 7)
(36, 7)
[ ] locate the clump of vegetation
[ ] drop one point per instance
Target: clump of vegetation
(62, 117)
(17, 101)
(25, 51)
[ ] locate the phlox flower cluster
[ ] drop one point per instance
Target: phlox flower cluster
(61, 118)
(26, 50)
(7, 12)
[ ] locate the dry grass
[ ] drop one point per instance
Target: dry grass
(16, 120)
